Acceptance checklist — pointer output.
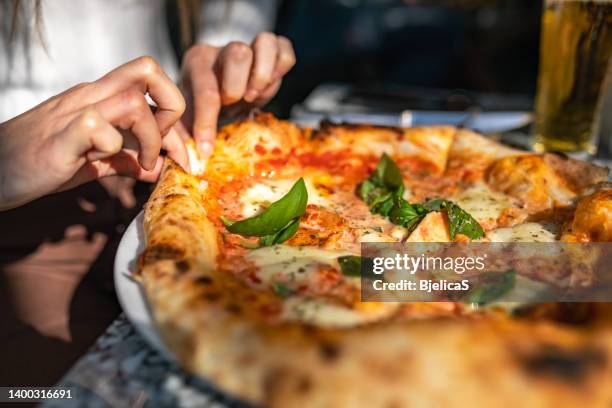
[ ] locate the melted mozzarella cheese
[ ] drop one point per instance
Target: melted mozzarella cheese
(481, 202)
(294, 264)
(196, 163)
(527, 232)
(395, 234)
(262, 194)
(291, 263)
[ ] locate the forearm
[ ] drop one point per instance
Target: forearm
(239, 20)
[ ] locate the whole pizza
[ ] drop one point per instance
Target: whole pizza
(247, 268)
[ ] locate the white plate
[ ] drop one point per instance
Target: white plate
(129, 291)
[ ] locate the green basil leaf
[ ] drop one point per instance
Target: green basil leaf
(385, 208)
(379, 199)
(274, 218)
(407, 217)
(367, 191)
(385, 180)
(437, 204)
(387, 174)
(350, 265)
(281, 236)
(460, 222)
(267, 240)
(402, 215)
(383, 192)
(227, 222)
(492, 286)
(281, 289)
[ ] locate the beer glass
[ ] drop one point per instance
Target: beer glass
(575, 69)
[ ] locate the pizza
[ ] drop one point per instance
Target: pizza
(243, 268)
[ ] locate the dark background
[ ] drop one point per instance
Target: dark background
(472, 45)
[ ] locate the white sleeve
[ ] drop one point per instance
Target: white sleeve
(222, 21)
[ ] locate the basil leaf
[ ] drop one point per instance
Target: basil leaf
(386, 179)
(281, 289)
(379, 199)
(368, 191)
(387, 174)
(406, 217)
(437, 204)
(383, 192)
(459, 221)
(385, 208)
(227, 222)
(493, 286)
(281, 236)
(350, 265)
(274, 218)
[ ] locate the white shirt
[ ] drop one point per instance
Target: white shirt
(85, 39)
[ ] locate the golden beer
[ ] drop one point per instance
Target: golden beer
(575, 68)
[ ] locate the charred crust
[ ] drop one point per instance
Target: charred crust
(569, 365)
(161, 252)
(212, 296)
(182, 265)
(233, 308)
(203, 280)
(304, 384)
(172, 196)
(329, 352)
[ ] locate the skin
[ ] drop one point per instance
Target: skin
(93, 130)
(106, 128)
(226, 81)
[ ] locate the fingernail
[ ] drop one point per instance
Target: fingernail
(206, 148)
(147, 166)
(96, 155)
(250, 95)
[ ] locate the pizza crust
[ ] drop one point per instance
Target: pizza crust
(219, 328)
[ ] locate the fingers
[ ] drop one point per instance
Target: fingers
(174, 145)
(205, 93)
(124, 163)
(268, 93)
(145, 74)
(88, 137)
(265, 48)
(286, 58)
(95, 149)
(233, 67)
(236, 73)
(129, 110)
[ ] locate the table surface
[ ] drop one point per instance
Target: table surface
(122, 369)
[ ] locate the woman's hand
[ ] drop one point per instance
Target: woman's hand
(90, 131)
(236, 77)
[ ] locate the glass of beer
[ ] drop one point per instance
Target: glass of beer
(575, 69)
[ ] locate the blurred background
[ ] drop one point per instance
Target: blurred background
(386, 48)
(388, 56)
(395, 45)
